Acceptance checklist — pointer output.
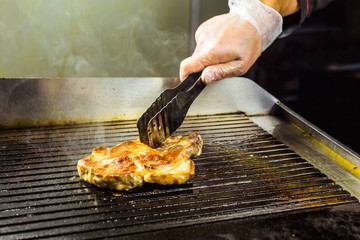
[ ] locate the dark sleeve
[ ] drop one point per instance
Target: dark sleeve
(309, 6)
(306, 8)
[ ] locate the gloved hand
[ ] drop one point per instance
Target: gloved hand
(229, 44)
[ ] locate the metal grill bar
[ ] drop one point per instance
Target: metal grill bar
(242, 172)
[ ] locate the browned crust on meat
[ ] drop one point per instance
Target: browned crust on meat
(130, 163)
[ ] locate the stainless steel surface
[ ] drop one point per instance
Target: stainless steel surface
(194, 23)
(243, 172)
(332, 158)
(44, 101)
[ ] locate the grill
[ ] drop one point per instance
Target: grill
(243, 172)
(262, 165)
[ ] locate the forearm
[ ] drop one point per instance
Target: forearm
(288, 7)
(284, 7)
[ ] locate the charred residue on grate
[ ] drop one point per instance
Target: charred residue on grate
(242, 172)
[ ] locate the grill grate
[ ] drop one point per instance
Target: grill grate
(242, 172)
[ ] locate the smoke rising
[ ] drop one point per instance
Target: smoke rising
(93, 38)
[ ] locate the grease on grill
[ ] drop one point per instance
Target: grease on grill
(243, 172)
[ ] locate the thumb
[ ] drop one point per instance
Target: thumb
(197, 62)
(190, 65)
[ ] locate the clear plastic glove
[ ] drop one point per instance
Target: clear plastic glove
(229, 44)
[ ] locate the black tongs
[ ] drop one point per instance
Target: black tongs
(168, 111)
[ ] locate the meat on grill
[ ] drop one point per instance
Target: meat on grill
(131, 163)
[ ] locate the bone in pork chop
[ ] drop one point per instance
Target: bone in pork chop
(131, 163)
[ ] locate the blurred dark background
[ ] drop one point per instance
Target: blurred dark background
(316, 70)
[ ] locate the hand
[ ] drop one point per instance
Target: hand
(227, 46)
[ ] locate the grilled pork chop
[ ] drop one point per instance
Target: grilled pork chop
(130, 163)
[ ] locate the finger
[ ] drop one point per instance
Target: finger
(224, 70)
(195, 63)
(190, 65)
